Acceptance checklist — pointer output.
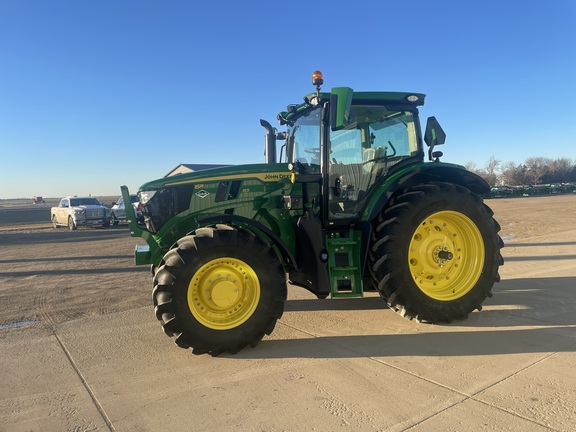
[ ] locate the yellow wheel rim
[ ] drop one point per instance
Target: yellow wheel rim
(223, 293)
(446, 255)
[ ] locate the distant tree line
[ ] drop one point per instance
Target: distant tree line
(534, 171)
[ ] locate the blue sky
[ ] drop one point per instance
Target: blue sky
(97, 94)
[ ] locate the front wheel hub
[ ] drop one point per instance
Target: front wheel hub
(223, 293)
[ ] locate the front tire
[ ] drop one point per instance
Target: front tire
(435, 253)
(71, 225)
(219, 289)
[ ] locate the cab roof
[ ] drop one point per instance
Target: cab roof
(396, 100)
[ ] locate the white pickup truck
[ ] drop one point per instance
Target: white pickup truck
(80, 211)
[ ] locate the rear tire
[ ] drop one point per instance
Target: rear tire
(435, 253)
(54, 222)
(219, 289)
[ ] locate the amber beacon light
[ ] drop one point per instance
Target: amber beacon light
(317, 78)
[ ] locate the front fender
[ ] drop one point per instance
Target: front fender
(254, 226)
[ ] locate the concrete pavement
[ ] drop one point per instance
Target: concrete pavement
(332, 365)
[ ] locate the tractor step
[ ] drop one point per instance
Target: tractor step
(344, 264)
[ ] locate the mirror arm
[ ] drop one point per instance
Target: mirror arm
(430, 151)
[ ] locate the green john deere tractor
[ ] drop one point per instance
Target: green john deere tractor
(350, 205)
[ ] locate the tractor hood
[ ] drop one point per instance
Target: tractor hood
(262, 172)
(180, 199)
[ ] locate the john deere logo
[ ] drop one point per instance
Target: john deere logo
(202, 194)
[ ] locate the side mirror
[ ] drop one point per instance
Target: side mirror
(434, 134)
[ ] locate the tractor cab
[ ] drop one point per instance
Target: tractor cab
(352, 140)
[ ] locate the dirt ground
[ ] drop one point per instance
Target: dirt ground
(55, 275)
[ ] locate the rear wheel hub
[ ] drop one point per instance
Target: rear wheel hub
(446, 255)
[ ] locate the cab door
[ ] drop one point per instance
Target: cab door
(360, 155)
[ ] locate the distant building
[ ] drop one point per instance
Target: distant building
(186, 168)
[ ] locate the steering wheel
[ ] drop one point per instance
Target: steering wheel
(385, 157)
(313, 151)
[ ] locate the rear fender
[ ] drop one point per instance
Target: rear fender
(422, 174)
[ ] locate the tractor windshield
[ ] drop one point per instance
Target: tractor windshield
(304, 140)
(374, 140)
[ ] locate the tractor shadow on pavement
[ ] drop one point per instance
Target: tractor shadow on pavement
(438, 344)
(550, 301)
(343, 304)
(545, 308)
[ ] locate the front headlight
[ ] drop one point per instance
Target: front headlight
(78, 212)
(146, 196)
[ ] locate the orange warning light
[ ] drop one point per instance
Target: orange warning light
(317, 78)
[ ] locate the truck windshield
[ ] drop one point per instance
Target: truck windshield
(74, 202)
